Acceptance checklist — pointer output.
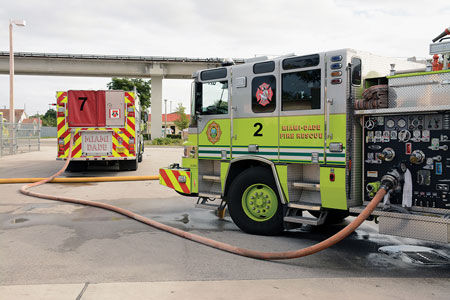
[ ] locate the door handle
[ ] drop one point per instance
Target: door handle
(329, 103)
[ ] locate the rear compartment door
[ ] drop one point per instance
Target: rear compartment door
(115, 108)
(86, 109)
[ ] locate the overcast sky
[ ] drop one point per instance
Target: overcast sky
(198, 28)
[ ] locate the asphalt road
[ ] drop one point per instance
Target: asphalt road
(54, 250)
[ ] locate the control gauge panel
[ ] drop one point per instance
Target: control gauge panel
(421, 141)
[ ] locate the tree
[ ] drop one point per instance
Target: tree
(143, 88)
(183, 121)
(48, 119)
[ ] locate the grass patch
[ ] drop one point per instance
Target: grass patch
(166, 142)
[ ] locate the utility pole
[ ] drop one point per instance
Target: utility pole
(11, 82)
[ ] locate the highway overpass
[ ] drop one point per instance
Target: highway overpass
(87, 65)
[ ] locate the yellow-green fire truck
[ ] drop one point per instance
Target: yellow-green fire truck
(275, 138)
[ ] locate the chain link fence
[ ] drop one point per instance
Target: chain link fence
(18, 138)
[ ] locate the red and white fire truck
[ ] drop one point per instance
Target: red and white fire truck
(106, 127)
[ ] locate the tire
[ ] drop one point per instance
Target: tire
(128, 165)
(334, 216)
(141, 152)
(77, 166)
(260, 214)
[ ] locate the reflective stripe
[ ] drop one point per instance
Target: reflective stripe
(170, 177)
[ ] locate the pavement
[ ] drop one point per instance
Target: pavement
(53, 250)
(309, 288)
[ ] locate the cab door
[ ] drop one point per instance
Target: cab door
(254, 114)
(302, 107)
(212, 110)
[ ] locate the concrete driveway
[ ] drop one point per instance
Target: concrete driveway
(55, 250)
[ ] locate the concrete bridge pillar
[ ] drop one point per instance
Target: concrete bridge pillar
(157, 75)
(156, 105)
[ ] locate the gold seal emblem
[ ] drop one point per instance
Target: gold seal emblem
(213, 133)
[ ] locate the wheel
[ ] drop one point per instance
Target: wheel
(128, 165)
(141, 153)
(333, 217)
(77, 166)
(254, 204)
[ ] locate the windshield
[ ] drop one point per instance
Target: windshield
(211, 98)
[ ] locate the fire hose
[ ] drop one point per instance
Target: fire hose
(80, 179)
(386, 185)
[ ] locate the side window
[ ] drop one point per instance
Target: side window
(301, 90)
(356, 71)
(263, 94)
(264, 67)
(211, 98)
(301, 62)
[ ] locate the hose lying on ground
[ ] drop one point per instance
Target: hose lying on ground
(209, 242)
(80, 179)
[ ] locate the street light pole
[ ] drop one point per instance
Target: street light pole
(11, 78)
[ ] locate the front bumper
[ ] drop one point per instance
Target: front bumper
(177, 179)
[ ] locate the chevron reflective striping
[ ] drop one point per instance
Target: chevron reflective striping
(183, 186)
(129, 98)
(170, 177)
(61, 98)
(130, 124)
(165, 178)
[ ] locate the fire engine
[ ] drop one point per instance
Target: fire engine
(307, 139)
(106, 127)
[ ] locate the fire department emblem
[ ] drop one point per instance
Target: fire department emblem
(114, 113)
(264, 94)
(213, 132)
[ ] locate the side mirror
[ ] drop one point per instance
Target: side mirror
(197, 116)
(145, 117)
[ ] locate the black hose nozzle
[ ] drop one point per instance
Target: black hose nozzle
(444, 33)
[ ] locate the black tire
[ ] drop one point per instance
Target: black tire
(252, 177)
(333, 217)
(128, 165)
(141, 152)
(77, 166)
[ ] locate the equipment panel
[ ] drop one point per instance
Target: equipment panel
(421, 142)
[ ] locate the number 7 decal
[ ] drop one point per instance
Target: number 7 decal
(84, 99)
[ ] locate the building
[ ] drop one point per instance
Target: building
(171, 127)
(34, 121)
(19, 115)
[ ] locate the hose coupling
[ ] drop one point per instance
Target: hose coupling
(392, 179)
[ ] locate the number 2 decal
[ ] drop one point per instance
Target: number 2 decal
(84, 99)
(257, 132)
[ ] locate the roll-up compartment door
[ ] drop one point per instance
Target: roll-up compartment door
(86, 109)
(115, 108)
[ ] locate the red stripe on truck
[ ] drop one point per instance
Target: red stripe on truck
(129, 97)
(61, 98)
(182, 185)
(166, 178)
